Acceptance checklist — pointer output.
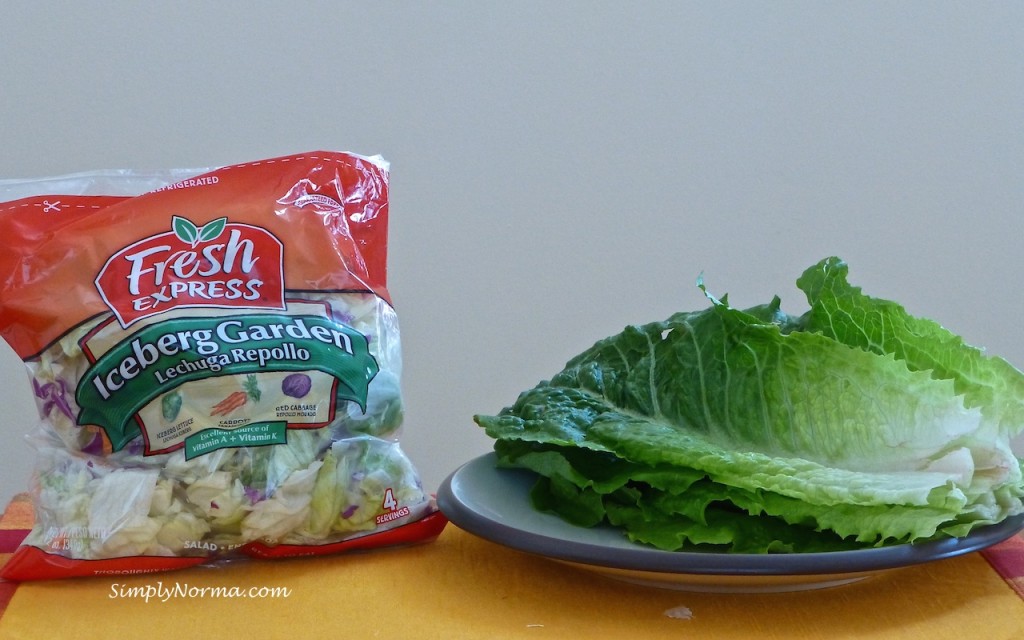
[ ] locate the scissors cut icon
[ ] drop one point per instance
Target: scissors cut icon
(51, 206)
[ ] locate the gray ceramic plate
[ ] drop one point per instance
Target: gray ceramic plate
(494, 504)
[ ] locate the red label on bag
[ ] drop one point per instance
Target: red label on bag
(219, 264)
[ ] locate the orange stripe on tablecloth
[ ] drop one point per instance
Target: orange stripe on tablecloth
(15, 524)
(1018, 585)
(18, 514)
(6, 588)
(1007, 558)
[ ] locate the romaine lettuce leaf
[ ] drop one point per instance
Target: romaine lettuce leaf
(854, 419)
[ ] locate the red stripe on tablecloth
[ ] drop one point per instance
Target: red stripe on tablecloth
(10, 539)
(15, 523)
(1007, 558)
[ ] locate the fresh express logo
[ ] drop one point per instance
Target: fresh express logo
(219, 264)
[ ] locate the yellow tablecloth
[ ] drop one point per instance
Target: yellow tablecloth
(463, 587)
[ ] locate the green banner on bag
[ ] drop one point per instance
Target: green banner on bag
(162, 357)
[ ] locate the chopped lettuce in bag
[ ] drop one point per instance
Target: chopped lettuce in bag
(216, 363)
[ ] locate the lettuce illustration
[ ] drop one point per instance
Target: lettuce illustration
(851, 425)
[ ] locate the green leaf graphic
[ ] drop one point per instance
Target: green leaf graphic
(185, 229)
(212, 229)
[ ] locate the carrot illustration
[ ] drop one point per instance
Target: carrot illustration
(229, 404)
(238, 398)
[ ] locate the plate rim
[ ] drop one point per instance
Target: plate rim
(653, 560)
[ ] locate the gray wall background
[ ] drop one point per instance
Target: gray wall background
(561, 170)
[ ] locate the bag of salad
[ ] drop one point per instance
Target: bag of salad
(216, 363)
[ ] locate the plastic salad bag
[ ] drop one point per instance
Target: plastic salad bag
(216, 363)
